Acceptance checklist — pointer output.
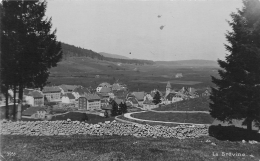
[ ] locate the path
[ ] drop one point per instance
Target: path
(128, 115)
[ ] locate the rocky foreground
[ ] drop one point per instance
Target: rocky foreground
(50, 128)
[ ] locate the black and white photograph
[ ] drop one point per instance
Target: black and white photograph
(129, 80)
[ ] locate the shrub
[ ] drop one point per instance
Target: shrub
(233, 133)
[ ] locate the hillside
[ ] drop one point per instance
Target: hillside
(113, 55)
(190, 63)
(73, 51)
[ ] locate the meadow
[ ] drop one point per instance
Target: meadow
(196, 118)
(127, 148)
(82, 71)
(196, 104)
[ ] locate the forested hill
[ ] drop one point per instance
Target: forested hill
(73, 51)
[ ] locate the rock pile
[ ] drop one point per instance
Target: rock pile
(67, 127)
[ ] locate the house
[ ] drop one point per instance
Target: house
(139, 97)
(178, 75)
(103, 95)
(189, 92)
(89, 102)
(116, 87)
(67, 88)
(206, 93)
(33, 97)
(80, 91)
(105, 90)
(104, 102)
(133, 101)
(52, 94)
(169, 98)
(148, 96)
(35, 112)
(68, 98)
(105, 84)
(122, 94)
(148, 105)
(107, 109)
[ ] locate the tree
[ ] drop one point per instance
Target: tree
(157, 98)
(114, 111)
(120, 110)
(29, 47)
(124, 108)
(237, 91)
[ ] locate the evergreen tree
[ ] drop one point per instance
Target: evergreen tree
(114, 111)
(157, 98)
(120, 110)
(124, 108)
(29, 47)
(237, 95)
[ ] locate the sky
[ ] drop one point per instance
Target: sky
(193, 29)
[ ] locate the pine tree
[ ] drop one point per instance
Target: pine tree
(124, 109)
(29, 47)
(157, 98)
(120, 110)
(237, 95)
(114, 111)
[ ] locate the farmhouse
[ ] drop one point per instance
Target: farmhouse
(53, 94)
(89, 102)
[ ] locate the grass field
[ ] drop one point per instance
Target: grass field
(128, 148)
(196, 104)
(82, 71)
(76, 116)
(196, 118)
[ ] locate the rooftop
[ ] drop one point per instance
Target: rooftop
(51, 89)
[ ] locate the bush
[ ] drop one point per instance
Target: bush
(233, 133)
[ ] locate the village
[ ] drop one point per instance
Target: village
(98, 101)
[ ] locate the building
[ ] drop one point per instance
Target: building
(33, 97)
(105, 84)
(35, 112)
(52, 94)
(89, 102)
(68, 98)
(178, 75)
(80, 91)
(148, 96)
(169, 89)
(139, 97)
(149, 105)
(133, 101)
(67, 88)
(120, 94)
(107, 109)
